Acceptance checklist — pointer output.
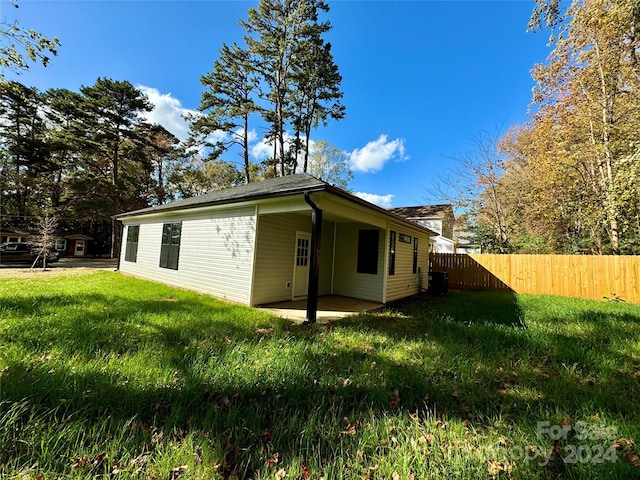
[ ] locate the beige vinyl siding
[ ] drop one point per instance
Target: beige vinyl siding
(405, 283)
(275, 255)
(216, 253)
(347, 281)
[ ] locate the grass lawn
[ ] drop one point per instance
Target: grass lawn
(112, 377)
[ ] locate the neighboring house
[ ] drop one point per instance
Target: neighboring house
(9, 235)
(76, 245)
(254, 244)
(438, 218)
(466, 242)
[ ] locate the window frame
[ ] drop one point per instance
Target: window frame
(170, 245)
(58, 242)
(131, 246)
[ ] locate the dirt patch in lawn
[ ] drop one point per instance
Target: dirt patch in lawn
(66, 266)
(49, 272)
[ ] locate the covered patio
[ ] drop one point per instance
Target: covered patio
(330, 307)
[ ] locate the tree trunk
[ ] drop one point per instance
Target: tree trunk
(245, 147)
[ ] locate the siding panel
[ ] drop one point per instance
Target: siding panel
(275, 255)
(347, 281)
(405, 283)
(216, 253)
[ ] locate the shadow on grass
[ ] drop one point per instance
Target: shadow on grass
(468, 357)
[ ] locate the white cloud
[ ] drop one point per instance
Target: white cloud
(261, 150)
(383, 201)
(373, 156)
(168, 111)
(264, 148)
(253, 136)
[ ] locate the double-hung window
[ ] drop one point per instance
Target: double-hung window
(131, 248)
(170, 250)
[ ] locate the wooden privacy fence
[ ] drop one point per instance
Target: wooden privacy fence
(584, 276)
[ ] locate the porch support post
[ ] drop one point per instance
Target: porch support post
(314, 266)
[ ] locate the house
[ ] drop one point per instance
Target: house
(466, 242)
(281, 239)
(11, 235)
(439, 218)
(76, 245)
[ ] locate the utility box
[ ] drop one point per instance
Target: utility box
(438, 282)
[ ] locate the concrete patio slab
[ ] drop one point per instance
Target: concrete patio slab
(330, 307)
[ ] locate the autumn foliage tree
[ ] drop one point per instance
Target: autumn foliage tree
(588, 102)
(572, 174)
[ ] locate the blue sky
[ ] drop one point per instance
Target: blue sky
(421, 79)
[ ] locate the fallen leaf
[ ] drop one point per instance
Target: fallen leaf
(632, 458)
(177, 471)
(349, 430)
(98, 460)
(80, 462)
(495, 468)
(370, 474)
(273, 459)
(623, 444)
(280, 474)
(305, 473)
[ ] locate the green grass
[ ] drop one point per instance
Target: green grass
(111, 377)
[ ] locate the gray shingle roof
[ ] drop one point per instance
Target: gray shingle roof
(423, 211)
(274, 187)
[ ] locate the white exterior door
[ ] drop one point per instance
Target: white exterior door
(301, 265)
(79, 250)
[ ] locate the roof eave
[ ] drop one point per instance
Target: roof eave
(261, 196)
(341, 193)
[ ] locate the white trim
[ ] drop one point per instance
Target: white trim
(255, 249)
(299, 234)
(385, 265)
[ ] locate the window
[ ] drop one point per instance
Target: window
(61, 245)
(131, 250)
(368, 251)
(302, 256)
(415, 254)
(392, 253)
(170, 249)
